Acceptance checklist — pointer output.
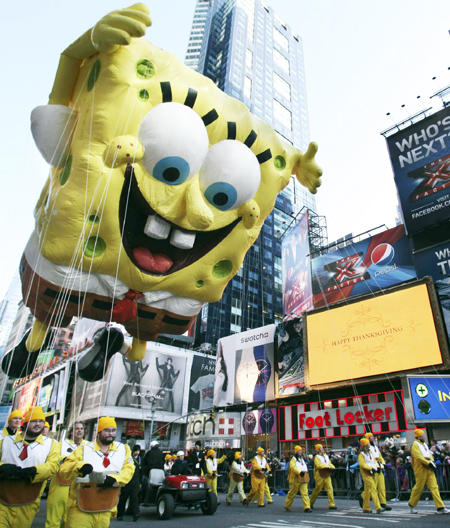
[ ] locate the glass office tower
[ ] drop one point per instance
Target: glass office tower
(255, 57)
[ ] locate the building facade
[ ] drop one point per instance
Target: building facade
(255, 57)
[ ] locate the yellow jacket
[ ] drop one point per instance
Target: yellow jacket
(219, 461)
(418, 460)
(50, 467)
(362, 463)
(293, 470)
(319, 465)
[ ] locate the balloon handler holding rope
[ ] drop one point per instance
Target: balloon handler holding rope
(159, 184)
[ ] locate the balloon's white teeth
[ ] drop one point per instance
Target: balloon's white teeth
(182, 240)
(156, 227)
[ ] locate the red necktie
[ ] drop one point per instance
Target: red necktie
(106, 460)
(24, 453)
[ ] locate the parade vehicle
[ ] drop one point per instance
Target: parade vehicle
(173, 491)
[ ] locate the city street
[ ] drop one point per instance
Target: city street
(348, 515)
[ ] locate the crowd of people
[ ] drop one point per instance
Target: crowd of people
(90, 482)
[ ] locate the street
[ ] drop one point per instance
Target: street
(348, 515)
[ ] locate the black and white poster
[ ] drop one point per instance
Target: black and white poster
(289, 354)
(201, 390)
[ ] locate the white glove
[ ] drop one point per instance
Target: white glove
(97, 477)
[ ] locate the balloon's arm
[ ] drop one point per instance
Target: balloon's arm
(113, 30)
(306, 169)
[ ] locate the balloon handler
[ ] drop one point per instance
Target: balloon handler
(159, 185)
(238, 471)
(258, 474)
(27, 461)
(211, 469)
(96, 470)
(298, 477)
(369, 467)
(322, 476)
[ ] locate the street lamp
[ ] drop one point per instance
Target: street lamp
(151, 400)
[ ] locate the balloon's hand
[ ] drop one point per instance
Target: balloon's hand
(119, 27)
(307, 171)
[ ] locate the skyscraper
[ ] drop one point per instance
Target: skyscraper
(255, 57)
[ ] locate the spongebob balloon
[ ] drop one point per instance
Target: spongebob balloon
(159, 185)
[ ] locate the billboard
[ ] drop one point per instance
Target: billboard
(263, 421)
(430, 397)
(379, 413)
(29, 395)
(379, 335)
(201, 390)
(433, 261)
(290, 357)
(223, 431)
(297, 290)
(367, 266)
(245, 367)
(420, 158)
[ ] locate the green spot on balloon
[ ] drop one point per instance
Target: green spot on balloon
(222, 269)
(143, 95)
(94, 219)
(66, 171)
(94, 247)
(93, 76)
(145, 69)
(200, 283)
(280, 163)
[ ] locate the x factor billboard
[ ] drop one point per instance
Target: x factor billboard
(364, 267)
(420, 157)
(297, 291)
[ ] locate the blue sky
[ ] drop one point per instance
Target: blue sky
(363, 59)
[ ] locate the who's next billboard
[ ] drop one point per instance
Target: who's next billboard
(420, 157)
(364, 267)
(297, 290)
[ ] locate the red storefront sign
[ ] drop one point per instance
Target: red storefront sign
(134, 429)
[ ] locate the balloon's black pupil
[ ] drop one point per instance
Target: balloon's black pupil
(220, 199)
(171, 174)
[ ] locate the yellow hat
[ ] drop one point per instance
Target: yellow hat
(47, 425)
(368, 435)
(418, 432)
(174, 456)
(211, 452)
(318, 446)
(105, 422)
(34, 413)
(364, 442)
(15, 414)
(237, 455)
(168, 457)
(260, 450)
(297, 449)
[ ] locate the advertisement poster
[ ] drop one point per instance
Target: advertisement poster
(29, 395)
(368, 266)
(262, 421)
(245, 367)
(201, 390)
(44, 397)
(297, 290)
(289, 357)
(430, 396)
(158, 378)
(433, 262)
(223, 431)
(370, 337)
(420, 158)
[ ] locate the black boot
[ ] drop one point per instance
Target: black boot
(385, 507)
(107, 341)
(18, 362)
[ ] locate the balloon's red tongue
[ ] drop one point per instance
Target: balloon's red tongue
(152, 263)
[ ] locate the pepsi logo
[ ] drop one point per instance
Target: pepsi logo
(382, 255)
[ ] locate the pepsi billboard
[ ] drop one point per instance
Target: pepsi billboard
(420, 157)
(430, 396)
(297, 290)
(364, 267)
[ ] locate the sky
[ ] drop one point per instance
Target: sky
(362, 60)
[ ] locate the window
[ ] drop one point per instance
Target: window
(282, 87)
(249, 59)
(280, 61)
(280, 39)
(247, 88)
(282, 114)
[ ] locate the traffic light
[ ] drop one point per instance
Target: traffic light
(211, 414)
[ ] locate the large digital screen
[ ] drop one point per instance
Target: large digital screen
(420, 157)
(387, 333)
(368, 266)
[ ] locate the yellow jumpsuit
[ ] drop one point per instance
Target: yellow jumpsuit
(58, 495)
(70, 471)
(295, 486)
(258, 484)
(370, 485)
(22, 516)
(212, 481)
(322, 483)
(379, 477)
(239, 469)
(424, 476)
